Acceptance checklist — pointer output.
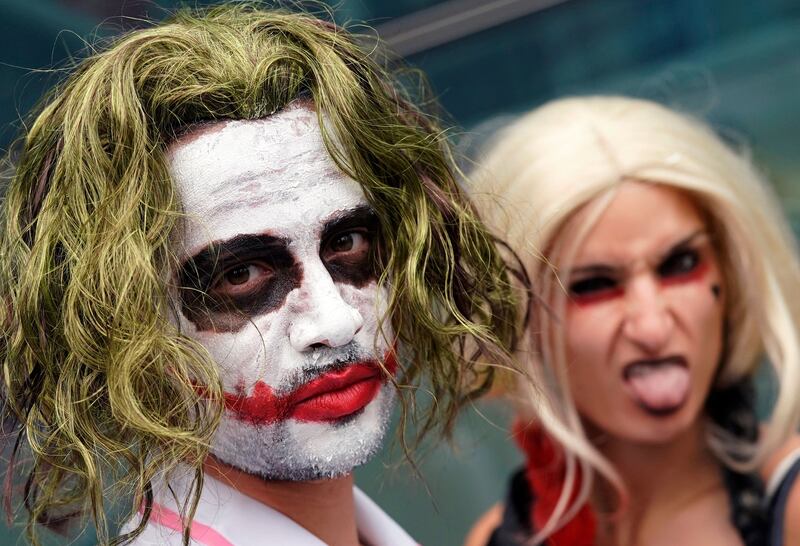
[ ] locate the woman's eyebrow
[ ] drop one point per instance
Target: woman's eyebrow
(687, 241)
(594, 270)
(608, 270)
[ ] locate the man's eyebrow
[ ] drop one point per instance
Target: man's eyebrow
(239, 243)
(203, 263)
(357, 216)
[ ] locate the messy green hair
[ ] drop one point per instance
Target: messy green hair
(97, 377)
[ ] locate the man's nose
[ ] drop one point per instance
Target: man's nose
(649, 322)
(323, 318)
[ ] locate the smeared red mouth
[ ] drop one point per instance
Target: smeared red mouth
(332, 396)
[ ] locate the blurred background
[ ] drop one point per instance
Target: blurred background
(736, 64)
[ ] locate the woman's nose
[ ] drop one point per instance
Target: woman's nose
(649, 322)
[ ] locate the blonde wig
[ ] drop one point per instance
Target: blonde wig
(102, 384)
(573, 154)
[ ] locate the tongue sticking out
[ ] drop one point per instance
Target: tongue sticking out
(658, 386)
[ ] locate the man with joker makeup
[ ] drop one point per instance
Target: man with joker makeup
(228, 240)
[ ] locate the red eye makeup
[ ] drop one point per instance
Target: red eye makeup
(685, 262)
(596, 287)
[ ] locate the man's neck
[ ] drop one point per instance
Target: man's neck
(325, 508)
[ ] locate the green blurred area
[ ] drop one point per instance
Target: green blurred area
(734, 63)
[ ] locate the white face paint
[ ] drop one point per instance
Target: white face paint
(280, 288)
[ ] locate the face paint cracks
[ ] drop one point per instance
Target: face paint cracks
(279, 284)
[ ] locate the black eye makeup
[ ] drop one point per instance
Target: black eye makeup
(678, 263)
(686, 261)
(594, 283)
(226, 284)
(348, 246)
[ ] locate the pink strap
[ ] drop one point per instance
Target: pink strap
(161, 515)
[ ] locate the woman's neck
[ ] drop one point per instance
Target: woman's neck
(325, 508)
(661, 481)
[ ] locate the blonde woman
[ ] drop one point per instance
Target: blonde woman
(669, 275)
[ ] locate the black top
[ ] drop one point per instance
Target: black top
(777, 507)
(515, 527)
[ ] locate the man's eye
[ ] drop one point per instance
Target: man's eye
(679, 263)
(351, 242)
(592, 286)
(238, 275)
(240, 279)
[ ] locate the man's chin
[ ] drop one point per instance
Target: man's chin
(308, 474)
(303, 451)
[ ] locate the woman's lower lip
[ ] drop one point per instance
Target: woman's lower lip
(339, 403)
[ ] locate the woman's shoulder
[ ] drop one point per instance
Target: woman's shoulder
(482, 530)
(775, 465)
(781, 472)
(506, 523)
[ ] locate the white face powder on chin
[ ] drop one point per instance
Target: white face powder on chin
(279, 285)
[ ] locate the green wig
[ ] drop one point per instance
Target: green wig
(99, 380)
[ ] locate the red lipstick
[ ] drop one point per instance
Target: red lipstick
(336, 394)
(330, 397)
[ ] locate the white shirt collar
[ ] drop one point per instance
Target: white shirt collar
(226, 517)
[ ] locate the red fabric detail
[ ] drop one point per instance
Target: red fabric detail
(545, 470)
(203, 534)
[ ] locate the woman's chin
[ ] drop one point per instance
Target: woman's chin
(646, 427)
